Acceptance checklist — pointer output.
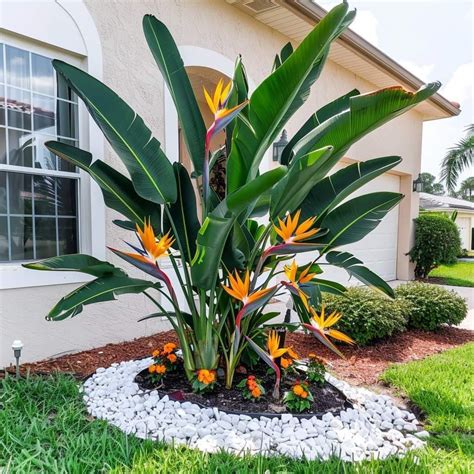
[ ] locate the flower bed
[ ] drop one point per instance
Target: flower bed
(374, 428)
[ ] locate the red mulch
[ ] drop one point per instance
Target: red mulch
(362, 366)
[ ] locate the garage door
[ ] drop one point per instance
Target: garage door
(378, 250)
(464, 226)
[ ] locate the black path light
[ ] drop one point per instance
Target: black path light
(279, 146)
(17, 346)
(418, 185)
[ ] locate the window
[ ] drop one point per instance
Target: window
(38, 191)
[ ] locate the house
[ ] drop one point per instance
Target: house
(48, 208)
(464, 217)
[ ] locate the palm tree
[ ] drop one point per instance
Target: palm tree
(466, 190)
(458, 158)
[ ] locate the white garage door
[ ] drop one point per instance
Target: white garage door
(378, 250)
(464, 226)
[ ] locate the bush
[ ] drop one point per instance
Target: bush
(432, 305)
(367, 314)
(437, 242)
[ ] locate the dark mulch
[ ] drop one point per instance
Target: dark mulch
(362, 365)
(175, 385)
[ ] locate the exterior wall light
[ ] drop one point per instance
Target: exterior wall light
(17, 346)
(279, 146)
(418, 185)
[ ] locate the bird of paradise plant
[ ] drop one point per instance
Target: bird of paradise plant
(228, 264)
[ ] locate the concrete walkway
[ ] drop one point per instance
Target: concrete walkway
(467, 293)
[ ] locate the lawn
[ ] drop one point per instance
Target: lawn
(44, 428)
(457, 274)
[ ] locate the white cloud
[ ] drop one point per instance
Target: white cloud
(460, 87)
(421, 71)
(366, 24)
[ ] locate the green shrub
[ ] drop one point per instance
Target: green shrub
(437, 242)
(367, 314)
(432, 305)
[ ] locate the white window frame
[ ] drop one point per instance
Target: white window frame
(81, 47)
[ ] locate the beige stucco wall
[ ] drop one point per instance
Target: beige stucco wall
(130, 70)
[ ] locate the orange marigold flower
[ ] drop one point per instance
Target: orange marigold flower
(285, 363)
(152, 369)
(160, 369)
(256, 392)
(304, 394)
(206, 376)
(172, 358)
(251, 384)
(169, 347)
(155, 353)
(298, 390)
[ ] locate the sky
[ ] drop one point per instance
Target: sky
(434, 40)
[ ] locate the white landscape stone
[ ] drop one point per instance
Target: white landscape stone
(374, 429)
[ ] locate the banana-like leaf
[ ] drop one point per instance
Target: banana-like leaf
(285, 53)
(278, 96)
(328, 286)
(320, 116)
(355, 268)
(366, 112)
(118, 191)
(170, 63)
(151, 172)
(170, 314)
(127, 225)
(104, 288)
(183, 213)
(77, 263)
(354, 219)
(302, 176)
(215, 230)
(333, 189)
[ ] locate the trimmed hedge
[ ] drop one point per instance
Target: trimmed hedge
(432, 305)
(437, 242)
(367, 314)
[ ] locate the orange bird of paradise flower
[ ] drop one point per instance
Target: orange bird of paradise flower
(295, 281)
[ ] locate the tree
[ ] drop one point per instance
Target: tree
(458, 158)
(466, 190)
(429, 185)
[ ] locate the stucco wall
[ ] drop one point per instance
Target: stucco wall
(130, 70)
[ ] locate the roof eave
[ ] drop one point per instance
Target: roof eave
(359, 45)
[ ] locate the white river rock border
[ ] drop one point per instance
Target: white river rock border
(375, 429)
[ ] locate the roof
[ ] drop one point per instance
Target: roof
(432, 202)
(296, 18)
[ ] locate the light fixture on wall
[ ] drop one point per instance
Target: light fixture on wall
(418, 185)
(279, 146)
(17, 346)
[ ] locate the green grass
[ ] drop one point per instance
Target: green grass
(44, 428)
(457, 274)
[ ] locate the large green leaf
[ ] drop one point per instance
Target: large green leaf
(170, 63)
(302, 175)
(320, 116)
(215, 230)
(99, 290)
(355, 268)
(119, 193)
(183, 213)
(278, 96)
(354, 219)
(77, 263)
(151, 172)
(366, 112)
(333, 189)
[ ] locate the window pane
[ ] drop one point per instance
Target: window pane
(3, 239)
(64, 165)
(67, 234)
(2, 104)
(18, 67)
(21, 238)
(44, 188)
(19, 108)
(66, 189)
(19, 190)
(44, 159)
(64, 91)
(20, 146)
(43, 74)
(43, 114)
(45, 236)
(3, 193)
(67, 119)
(3, 146)
(2, 77)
